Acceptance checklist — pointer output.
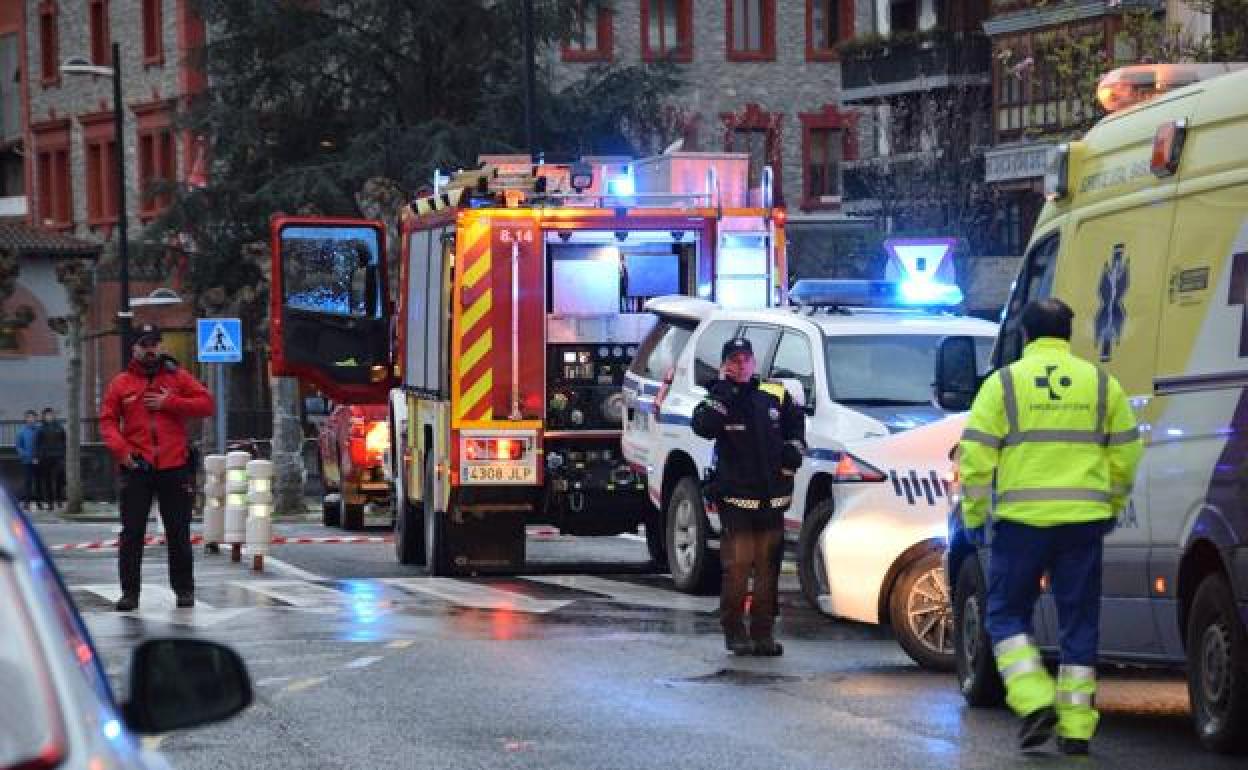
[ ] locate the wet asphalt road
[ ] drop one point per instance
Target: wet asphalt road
(359, 662)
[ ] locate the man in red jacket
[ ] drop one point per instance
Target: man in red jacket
(143, 421)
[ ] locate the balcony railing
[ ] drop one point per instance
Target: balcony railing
(872, 69)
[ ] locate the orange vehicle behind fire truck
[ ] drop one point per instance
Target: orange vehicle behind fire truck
(519, 308)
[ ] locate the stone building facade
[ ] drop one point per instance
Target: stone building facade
(71, 175)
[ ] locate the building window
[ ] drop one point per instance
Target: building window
(49, 45)
(667, 30)
(100, 41)
(827, 23)
(591, 33)
(101, 153)
(157, 157)
(757, 133)
(829, 138)
(153, 28)
(751, 30)
(54, 200)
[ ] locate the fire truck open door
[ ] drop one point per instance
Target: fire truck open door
(330, 313)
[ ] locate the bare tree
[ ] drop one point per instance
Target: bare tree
(78, 279)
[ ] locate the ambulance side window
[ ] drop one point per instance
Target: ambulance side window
(1035, 281)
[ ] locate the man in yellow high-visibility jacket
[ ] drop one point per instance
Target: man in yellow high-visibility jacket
(1051, 447)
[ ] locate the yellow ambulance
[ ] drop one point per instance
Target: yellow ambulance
(1146, 236)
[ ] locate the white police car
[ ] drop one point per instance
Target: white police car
(869, 504)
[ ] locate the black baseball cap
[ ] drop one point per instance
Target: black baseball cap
(147, 334)
(736, 345)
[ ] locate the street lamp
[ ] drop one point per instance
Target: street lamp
(80, 66)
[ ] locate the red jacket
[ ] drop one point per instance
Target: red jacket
(128, 427)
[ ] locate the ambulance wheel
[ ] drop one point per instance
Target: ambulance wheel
(695, 567)
(656, 537)
(920, 613)
(976, 667)
(436, 561)
(811, 568)
(1217, 668)
(409, 527)
(350, 514)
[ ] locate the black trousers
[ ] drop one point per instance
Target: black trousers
(752, 544)
(172, 489)
(32, 491)
(52, 480)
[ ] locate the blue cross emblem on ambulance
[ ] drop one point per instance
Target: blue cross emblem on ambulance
(1111, 315)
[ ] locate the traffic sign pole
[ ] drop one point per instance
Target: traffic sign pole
(223, 402)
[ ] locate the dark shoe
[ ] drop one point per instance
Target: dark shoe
(128, 603)
(768, 648)
(738, 643)
(1037, 728)
(1072, 747)
(186, 599)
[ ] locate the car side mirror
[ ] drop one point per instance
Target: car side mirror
(179, 683)
(957, 374)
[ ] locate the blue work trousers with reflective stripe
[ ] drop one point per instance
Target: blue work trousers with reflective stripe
(1071, 555)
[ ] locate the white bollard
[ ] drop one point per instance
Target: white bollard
(236, 502)
(214, 502)
(259, 511)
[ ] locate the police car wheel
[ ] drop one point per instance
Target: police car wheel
(976, 668)
(920, 613)
(695, 568)
(1217, 666)
(811, 568)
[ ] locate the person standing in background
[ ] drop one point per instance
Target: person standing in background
(27, 437)
(50, 453)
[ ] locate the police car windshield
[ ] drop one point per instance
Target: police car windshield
(886, 369)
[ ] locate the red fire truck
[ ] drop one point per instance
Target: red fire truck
(519, 308)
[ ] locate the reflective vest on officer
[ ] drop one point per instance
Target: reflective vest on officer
(1060, 436)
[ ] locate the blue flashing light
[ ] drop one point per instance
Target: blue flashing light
(882, 294)
(112, 729)
(919, 292)
(621, 185)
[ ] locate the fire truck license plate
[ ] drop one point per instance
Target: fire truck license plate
(499, 474)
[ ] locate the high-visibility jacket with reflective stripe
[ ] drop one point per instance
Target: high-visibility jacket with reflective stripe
(1058, 436)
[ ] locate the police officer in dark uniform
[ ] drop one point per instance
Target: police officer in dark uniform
(759, 434)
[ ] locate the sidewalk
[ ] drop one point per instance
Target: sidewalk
(93, 511)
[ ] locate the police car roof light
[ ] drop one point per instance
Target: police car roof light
(881, 294)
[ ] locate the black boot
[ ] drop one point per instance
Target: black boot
(128, 603)
(1072, 747)
(737, 642)
(765, 644)
(1037, 728)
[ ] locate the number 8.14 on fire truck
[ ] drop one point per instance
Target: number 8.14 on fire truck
(501, 345)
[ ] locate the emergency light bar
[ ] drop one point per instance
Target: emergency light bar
(884, 294)
(1128, 86)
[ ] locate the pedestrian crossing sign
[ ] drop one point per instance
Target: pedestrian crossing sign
(220, 340)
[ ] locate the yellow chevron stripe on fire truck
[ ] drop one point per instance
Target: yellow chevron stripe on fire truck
(475, 313)
(479, 390)
(477, 270)
(475, 353)
(475, 374)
